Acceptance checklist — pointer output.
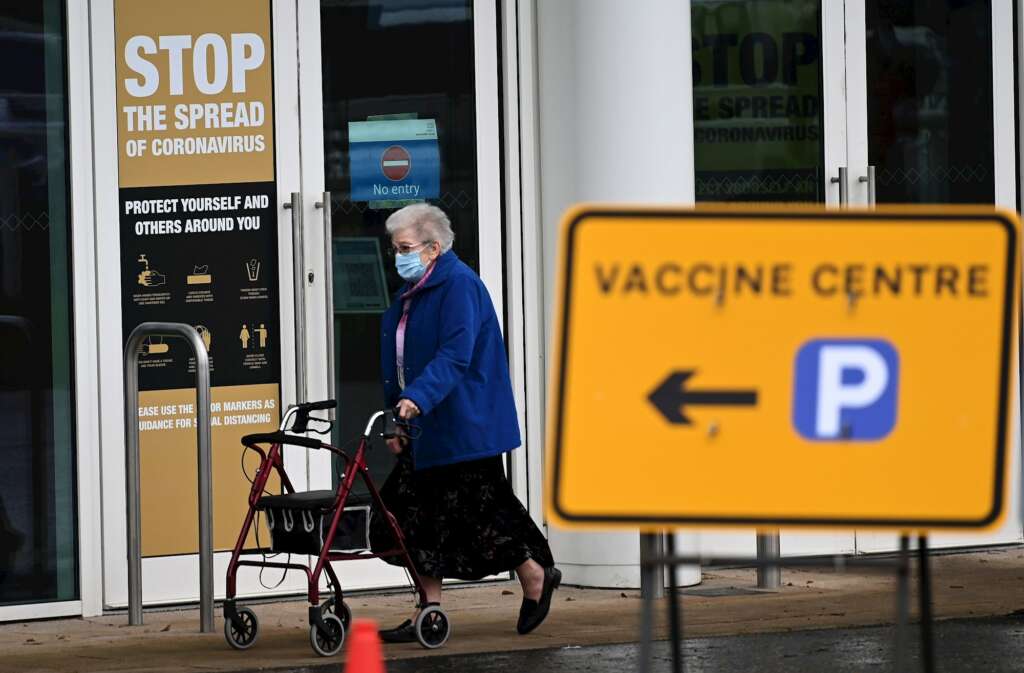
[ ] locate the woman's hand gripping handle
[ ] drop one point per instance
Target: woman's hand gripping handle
(396, 439)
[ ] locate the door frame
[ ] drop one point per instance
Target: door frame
(85, 272)
(523, 248)
(835, 104)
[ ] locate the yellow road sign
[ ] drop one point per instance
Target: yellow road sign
(783, 366)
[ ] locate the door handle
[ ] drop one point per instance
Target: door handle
(299, 282)
(870, 179)
(844, 189)
(325, 204)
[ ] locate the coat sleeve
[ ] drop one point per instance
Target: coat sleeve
(389, 323)
(459, 322)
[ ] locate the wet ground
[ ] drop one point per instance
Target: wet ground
(994, 645)
(722, 615)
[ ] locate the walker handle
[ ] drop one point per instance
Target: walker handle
(280, 438)
(301, 423)
(317, 406)
(395, 426)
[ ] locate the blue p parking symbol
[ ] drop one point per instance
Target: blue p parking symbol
(845, 389)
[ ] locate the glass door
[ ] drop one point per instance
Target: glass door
(931, 102)
(932, 121)
(769, 115)
(399, 104)
(38, 541)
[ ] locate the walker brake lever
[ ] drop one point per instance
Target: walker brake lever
(326, 421)
(394, 426)
(390, 430)
(301, 422)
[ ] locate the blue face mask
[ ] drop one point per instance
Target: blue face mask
(410, 267)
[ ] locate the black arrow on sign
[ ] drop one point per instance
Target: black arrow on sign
(671, 397)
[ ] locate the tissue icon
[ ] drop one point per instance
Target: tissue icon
(200, 275)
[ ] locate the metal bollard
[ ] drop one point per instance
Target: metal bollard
(132, 473)
(769, 576)
(652, 577)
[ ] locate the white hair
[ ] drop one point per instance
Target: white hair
(429, 222)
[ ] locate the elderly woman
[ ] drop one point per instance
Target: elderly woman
(444, 368)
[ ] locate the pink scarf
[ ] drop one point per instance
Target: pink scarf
(400, 332)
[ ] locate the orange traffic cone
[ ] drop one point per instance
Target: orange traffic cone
(364, 653)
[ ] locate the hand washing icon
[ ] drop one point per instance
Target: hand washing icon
(150, 277)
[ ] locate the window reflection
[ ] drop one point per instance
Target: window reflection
(929, 67)
(37, 506)
(392, 69)
(757, 100)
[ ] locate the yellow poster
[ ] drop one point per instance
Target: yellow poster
(167, 431)
(194, 92)
(198, 221)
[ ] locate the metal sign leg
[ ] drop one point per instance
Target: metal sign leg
(925, 595)
(675, 611)
(646, 628)
(671, 561)
(902, 605)
(652, 581)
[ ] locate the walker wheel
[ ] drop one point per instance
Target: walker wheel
(327, 642)
(328, 608)
(241, 632)
(433, 627)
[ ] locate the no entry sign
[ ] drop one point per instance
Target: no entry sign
(395, 162)
(783, 367)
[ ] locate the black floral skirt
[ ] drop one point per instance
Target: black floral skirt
(461, 521)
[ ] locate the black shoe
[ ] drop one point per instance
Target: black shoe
(404, 633)
(532, 612)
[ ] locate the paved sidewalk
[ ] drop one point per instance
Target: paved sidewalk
(483, 618)
(974, 645)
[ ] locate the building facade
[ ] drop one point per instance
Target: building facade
(231, 165)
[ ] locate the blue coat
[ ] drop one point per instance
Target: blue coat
(456, 370)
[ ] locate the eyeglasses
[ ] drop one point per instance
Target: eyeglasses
(405, 249)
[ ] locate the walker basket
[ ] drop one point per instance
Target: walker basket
(299, 522)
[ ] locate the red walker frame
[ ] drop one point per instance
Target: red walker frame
(354, 465)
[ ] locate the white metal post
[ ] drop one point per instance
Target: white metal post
(133, 476)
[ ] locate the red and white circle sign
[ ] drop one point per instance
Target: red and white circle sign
(395, 163)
